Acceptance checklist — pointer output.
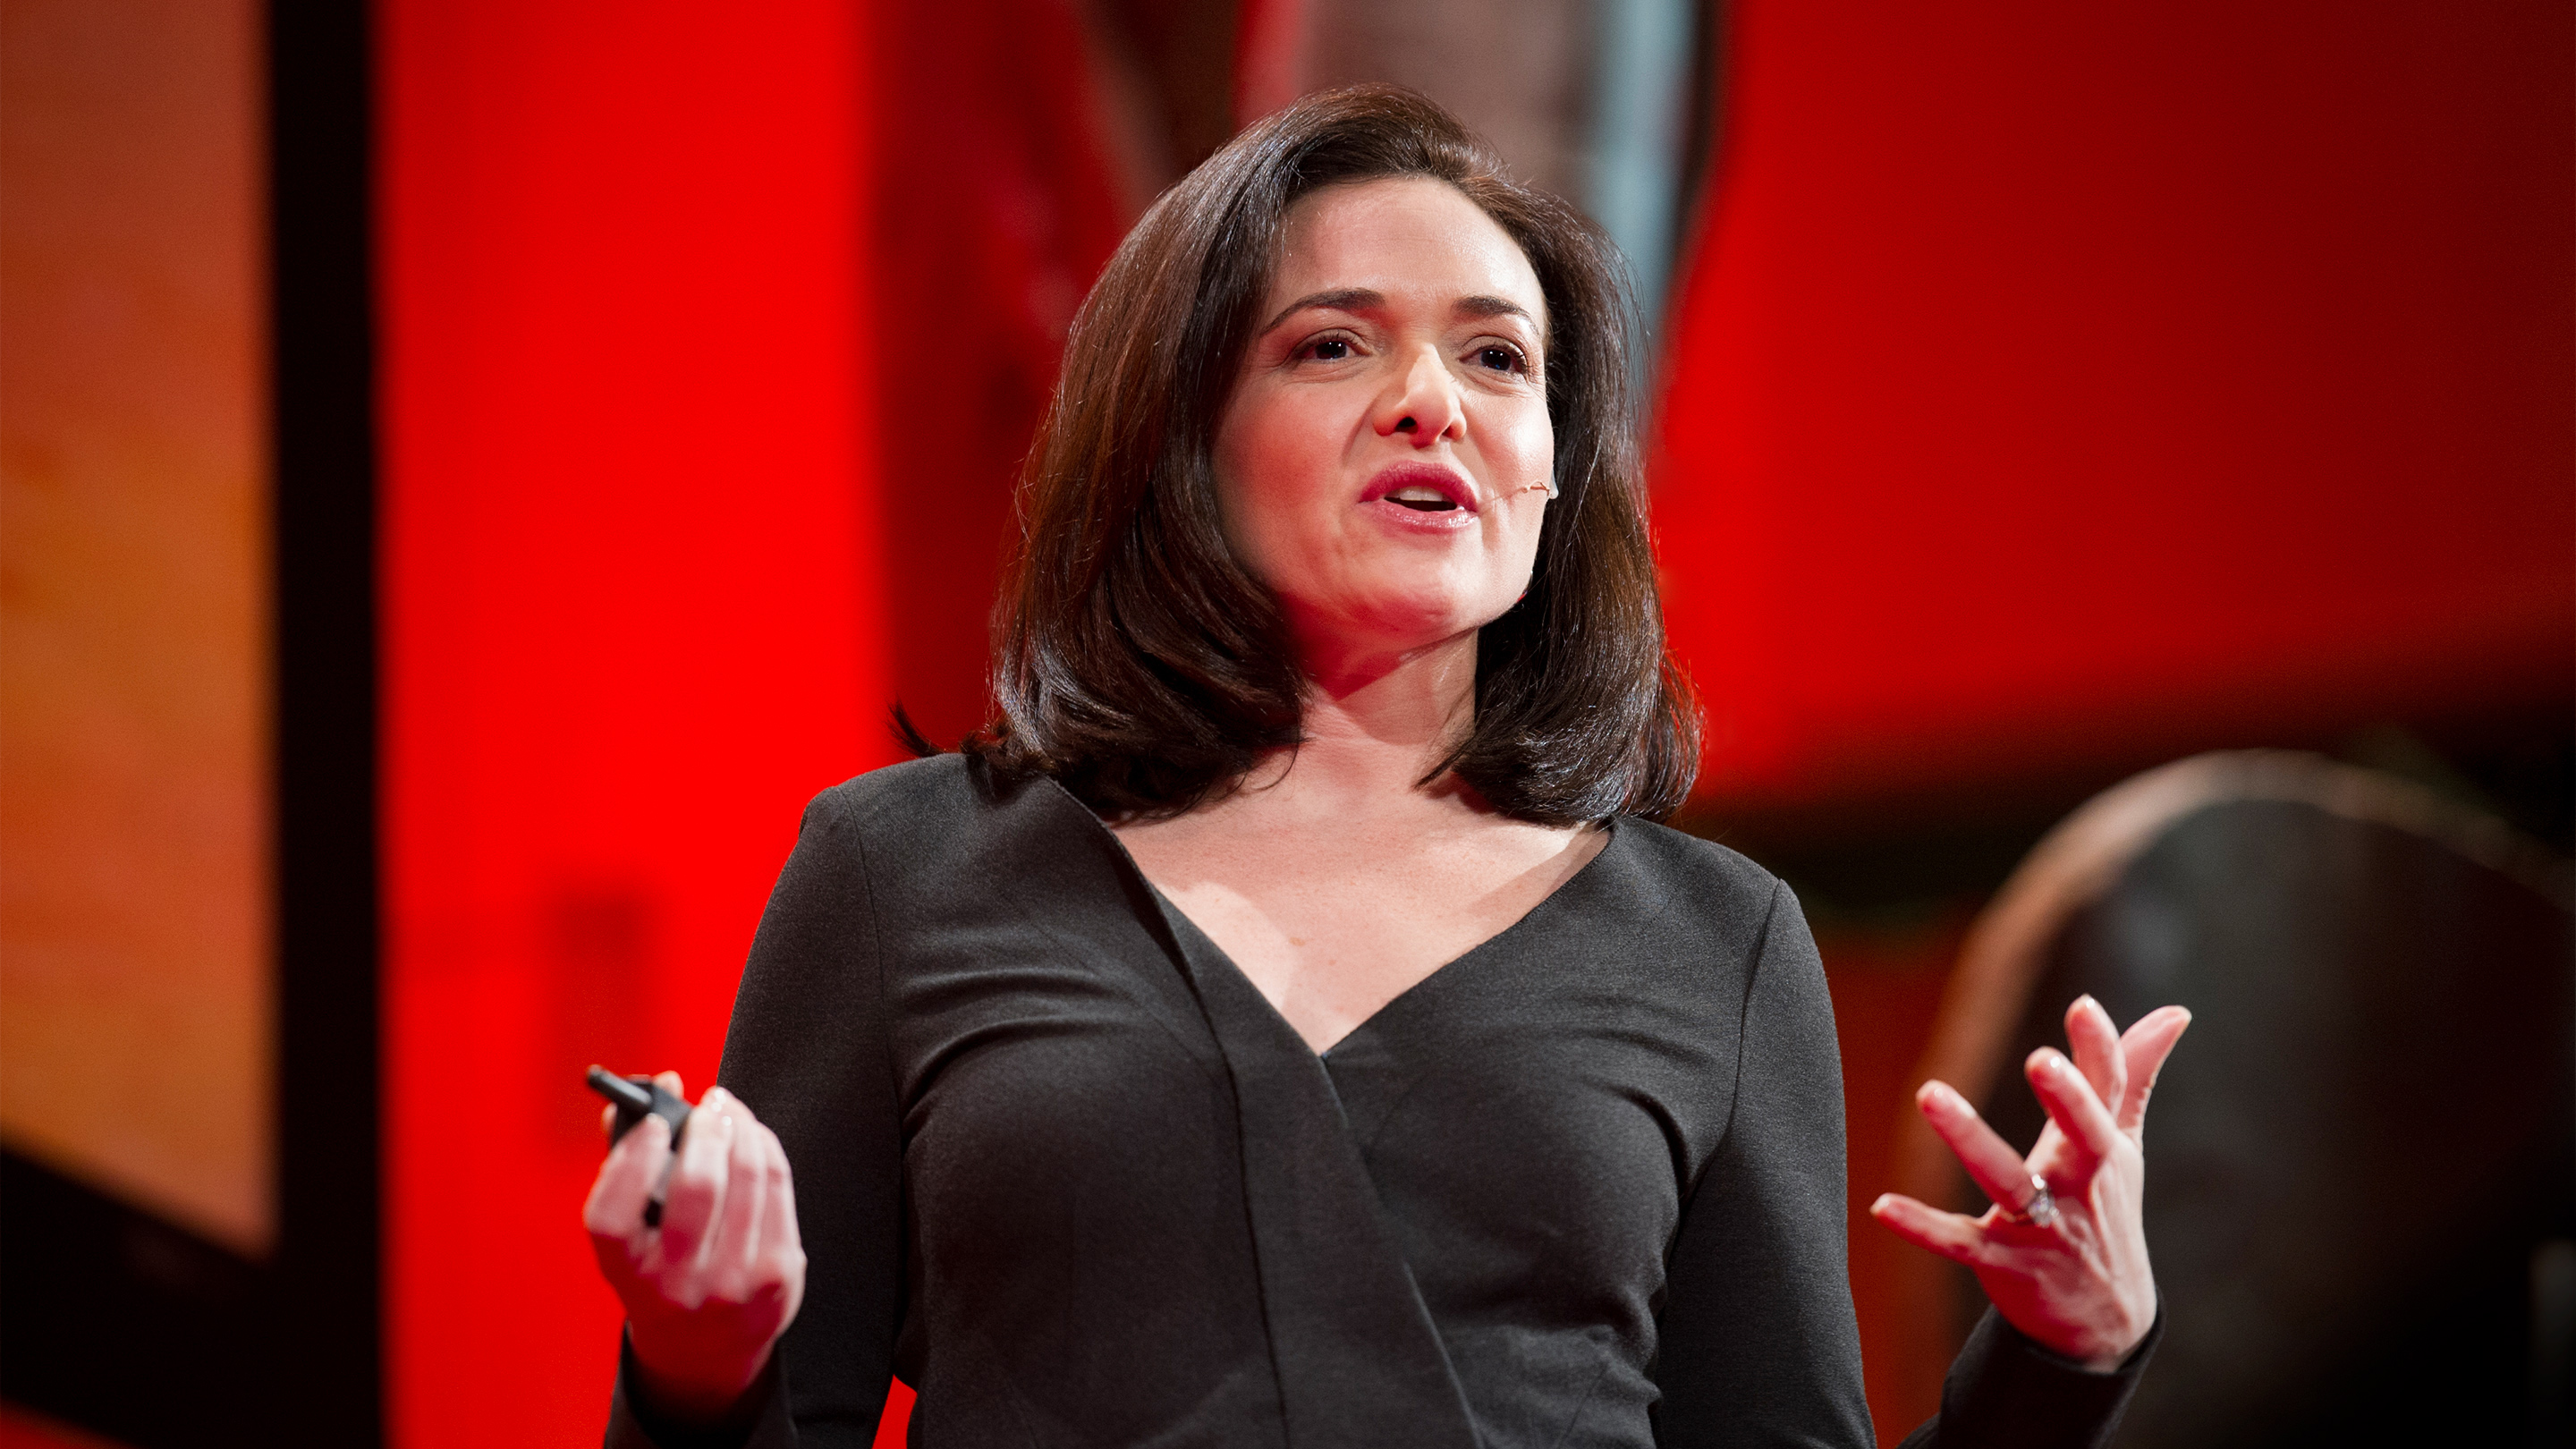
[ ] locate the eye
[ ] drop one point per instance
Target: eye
(1499, 358)
(1326, 349)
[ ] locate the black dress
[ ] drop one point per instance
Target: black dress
(1063, 1168)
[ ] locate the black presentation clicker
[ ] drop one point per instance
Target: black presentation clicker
(637, 1098)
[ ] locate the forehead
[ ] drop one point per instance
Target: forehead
(1407, 236)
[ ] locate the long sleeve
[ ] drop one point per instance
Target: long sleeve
(1759, 1344)
(2006, 1392)
(807, 1051)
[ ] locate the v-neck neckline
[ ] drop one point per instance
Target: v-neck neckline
(1180, 918)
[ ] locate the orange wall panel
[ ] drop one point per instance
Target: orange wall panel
(136, 990)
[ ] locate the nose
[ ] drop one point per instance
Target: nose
(1423, 404)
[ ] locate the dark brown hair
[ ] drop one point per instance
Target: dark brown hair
(1140, 664)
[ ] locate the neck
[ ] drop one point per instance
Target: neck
(1375, 724)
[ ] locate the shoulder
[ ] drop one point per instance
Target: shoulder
(932, 817)
(922, 794)
(1710, 902)
(1754, 937)
(1701, 876)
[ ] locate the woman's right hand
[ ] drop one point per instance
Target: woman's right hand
(709, 1290)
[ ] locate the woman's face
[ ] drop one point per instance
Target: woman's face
(1382, 462)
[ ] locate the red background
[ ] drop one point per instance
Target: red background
(2066, 382)
(2048, 387)
(635, 614)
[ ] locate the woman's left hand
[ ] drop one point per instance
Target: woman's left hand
(2077, 1282)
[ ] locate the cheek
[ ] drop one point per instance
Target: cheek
(1529, 444)
(1235, 459)
(1525, 455)
(1267, 461)
(1230, 511)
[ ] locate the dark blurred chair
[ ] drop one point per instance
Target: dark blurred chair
(2360, 1185)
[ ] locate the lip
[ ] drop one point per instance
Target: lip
(1423, 475)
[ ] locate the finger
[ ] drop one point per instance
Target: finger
(670, 1082)
(1999, 1172)
(737, 1244)
(2095, 1044)
(693, 1202)
(608, 1122)
(1954, 1236)
(778, 1228)
(625, 1182)
(2071, 1104)
(2146, 1046)
(778, 1231)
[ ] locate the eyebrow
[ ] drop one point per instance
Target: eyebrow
(1495, 307)
(1364, 299)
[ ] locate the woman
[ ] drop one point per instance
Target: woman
(1286, 1024)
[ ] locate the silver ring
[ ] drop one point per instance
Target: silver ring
(2038, 1210)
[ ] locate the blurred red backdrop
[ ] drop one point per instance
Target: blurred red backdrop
(635, 613)
(2048, 386)
(2059, 385)
(996, 203)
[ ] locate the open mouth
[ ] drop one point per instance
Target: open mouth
(1423, 500)
(1434, 498)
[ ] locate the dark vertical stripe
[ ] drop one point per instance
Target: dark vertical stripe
(1703, 136)
(327, 1274)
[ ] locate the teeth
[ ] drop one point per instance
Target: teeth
(1421, 500)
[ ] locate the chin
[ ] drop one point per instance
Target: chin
(1415, 618)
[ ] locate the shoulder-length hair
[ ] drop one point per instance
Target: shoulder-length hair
(1140, 664)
